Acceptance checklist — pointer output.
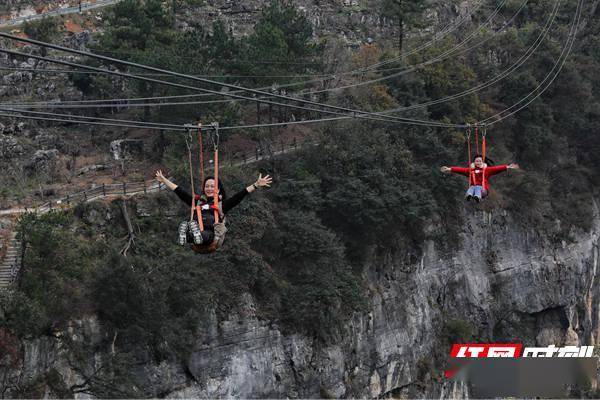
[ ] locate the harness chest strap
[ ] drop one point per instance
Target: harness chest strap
(207, 206)
(199, 214)
(473, 181)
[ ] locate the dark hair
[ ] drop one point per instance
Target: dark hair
(221, 187)
(487, 160)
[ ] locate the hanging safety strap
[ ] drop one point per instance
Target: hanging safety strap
(201, 152)
(483, 149)
(483, 142)
(201, 158)
(216, 160)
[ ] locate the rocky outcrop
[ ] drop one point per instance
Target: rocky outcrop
(124, 148)
(9, 147)
(43, 162)
(355, 22)
(77, 40)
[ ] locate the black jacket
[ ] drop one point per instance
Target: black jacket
(208, 217)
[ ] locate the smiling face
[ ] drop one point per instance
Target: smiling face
(478, 162)
(209, 187)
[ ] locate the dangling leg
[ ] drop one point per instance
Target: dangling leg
(220, 231)
(183, 228)
(470, 193)
(200, 237)
(478, 193)
(196, 233)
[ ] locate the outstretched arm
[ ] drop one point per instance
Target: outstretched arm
(456, 170)
(182, 194)
(238, 197)
(162, 179)
(500, 168)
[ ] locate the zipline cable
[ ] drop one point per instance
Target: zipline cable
(529, 52)
(568, 46)
(154, 124)
(406, 70)
(557, 66)
(179, 127)
(355, 113)
(507, 72)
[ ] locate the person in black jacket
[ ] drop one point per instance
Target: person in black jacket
(189, 231)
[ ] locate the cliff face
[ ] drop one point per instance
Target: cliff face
(509, 283)
(353, 21)
(503, 281)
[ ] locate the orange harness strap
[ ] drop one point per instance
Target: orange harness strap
(216, 196)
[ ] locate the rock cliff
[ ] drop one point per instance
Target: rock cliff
(502, 282)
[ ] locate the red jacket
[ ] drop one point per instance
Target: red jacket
(479, 176)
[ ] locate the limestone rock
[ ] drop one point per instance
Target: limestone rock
(43, 162)
(9, 147)
(17, 77)
(124, 148)
(78, 40)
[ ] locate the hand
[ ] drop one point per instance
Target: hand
(160, 177)
(266, 181)
(512, 166)
(445, 169)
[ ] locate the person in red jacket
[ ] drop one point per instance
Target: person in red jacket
(479, 173)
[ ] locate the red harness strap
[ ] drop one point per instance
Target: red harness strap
(201, 152)
(483, 148)
(199, 208)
